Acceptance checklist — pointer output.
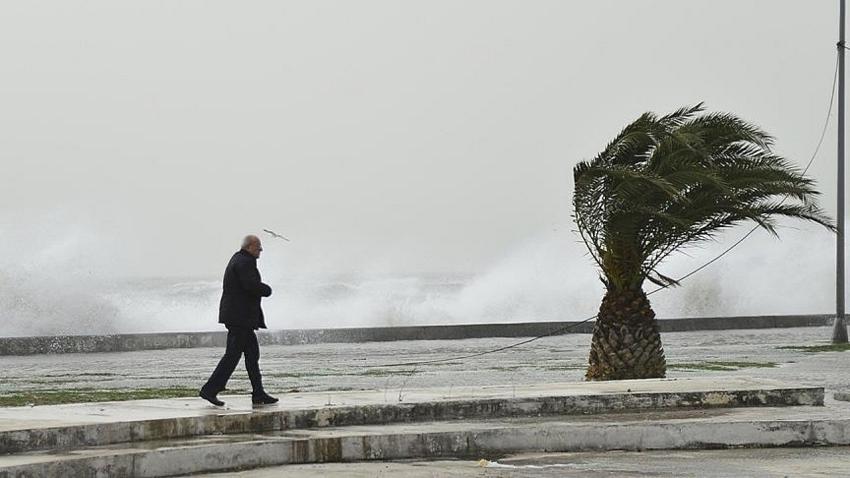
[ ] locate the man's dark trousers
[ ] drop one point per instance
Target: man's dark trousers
(239, 340)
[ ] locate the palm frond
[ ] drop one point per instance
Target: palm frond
(669, 181)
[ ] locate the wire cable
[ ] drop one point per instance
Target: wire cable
(805, 170)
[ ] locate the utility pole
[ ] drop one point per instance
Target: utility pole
(839, 331)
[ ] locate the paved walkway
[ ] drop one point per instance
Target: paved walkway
(342, 374)
(346, 367)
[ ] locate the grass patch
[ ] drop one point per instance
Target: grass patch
(699, 366)
(285, 375)
(81, 395)
(560, 368)
(719, 366)
(817, 348)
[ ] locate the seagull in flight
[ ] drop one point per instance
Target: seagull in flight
(276, 235)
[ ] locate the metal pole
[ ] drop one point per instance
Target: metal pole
(839, 331)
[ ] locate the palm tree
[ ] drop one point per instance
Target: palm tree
(662, 184)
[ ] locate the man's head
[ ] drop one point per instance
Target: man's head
(251, 245)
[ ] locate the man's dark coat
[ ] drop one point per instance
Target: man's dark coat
(240, 300)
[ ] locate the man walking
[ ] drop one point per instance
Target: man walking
(241, 313)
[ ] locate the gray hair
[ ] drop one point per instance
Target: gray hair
(248, 240)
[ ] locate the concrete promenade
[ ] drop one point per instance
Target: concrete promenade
(336, 379)
(179, 436)
(350, 367)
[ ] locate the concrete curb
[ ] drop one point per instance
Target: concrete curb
(99, 434)
(473, 440)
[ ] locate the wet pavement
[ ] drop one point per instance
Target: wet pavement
(766, 463)
(340, 367)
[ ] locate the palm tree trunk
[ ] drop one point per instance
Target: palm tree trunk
(626, 342)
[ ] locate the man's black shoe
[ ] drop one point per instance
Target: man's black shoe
(264, 399)
(210, 397)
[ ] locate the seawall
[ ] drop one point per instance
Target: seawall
(155, 341)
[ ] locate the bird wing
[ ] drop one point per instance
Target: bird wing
(274, 234)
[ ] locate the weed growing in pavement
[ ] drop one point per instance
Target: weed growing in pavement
(817, 348)
(80, 395)
(715, 366)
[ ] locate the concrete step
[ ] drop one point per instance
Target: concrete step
(79, 425)
(672, 429)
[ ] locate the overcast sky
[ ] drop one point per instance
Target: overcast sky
(394, 136)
